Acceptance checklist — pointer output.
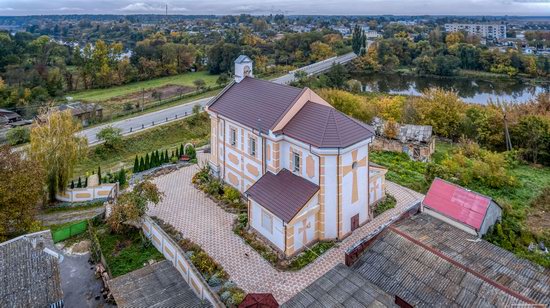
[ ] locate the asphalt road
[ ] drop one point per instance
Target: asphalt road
(152, 119)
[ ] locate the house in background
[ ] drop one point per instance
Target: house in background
(83, 112)
(460, 207)
(7, 116)
(303, 165)
(417, 141)
(29, 272)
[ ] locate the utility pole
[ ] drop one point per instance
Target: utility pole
(142, 98)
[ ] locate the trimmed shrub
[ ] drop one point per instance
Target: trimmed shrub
(18, 135)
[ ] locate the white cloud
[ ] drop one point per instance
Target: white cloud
(70, 9)
(141, 7)
(6, 9)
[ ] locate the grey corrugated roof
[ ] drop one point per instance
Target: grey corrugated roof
(407, 132)
(156, 285)
(422, 277)
(325, 127)
(520, 275)
(255, 102)
(29, 277)
(243, 59)
(341, 287)
(283, 194)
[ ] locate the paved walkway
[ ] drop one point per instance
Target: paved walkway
(201, 220)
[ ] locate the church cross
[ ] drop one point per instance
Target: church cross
(353, 168)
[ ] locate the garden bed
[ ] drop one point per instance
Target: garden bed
(212, 272)
(227, 197)
(277, 259)
(126, 252)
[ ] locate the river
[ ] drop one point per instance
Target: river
(471, 90)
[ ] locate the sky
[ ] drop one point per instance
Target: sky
(287, 7)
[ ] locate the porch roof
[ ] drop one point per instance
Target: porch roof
(283, 194)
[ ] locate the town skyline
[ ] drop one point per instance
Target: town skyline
(348, 7)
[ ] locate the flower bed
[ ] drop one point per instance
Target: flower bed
(276, 259)
(224, 195)
(212, 272)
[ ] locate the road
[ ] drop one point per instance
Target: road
(152, 119)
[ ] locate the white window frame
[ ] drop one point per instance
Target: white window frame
(252, 146)
(233, 136)
(296, 161)
(267, 221)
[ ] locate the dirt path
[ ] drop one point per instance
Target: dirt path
(68, 216)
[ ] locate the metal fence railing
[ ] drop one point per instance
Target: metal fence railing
(69, 231)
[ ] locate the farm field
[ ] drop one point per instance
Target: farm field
(186, 80)
(136, 97)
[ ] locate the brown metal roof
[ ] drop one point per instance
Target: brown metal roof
(325, 127)
(283, 194)
(253, 99)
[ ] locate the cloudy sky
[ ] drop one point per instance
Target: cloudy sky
(289, 7)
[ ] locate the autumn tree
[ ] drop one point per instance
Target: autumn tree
(21, 189)
(321, 51)
(441, 109)
(132, 205)
(55, 147)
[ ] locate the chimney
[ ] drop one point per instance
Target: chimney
(243, 68)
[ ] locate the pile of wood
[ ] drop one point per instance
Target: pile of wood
(102, 273)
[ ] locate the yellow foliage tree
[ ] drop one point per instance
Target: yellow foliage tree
(320, 51)
(56, 148)
(441, 109)
(454, 38)
(348, 103)
(390, 107)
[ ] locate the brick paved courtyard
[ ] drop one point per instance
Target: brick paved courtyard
(201, 220)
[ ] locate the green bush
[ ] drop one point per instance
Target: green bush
(231, 194)
(387, 203)
(18, 135)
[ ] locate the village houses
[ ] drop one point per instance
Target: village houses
(303, 165)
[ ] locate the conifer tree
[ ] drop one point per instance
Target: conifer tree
(157, 158)
(181, 150)
(85, 182)
(72, 184)
(99, 174)
(136, 165)
(147, 162)
(141, 164)
(166, 158)
(122, 177)
(79, 184)
(177, 153)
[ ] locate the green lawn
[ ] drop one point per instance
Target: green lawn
(163, 137)
(108, 93)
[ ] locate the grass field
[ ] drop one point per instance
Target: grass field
(163, 137)
(98, 95)
(517, 201)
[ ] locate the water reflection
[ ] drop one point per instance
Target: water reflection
(471, 90)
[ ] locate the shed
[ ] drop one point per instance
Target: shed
(465, 209)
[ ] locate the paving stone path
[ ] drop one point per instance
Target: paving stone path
(201, 220)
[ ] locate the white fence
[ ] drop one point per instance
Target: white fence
(173, 253)
(88, 194)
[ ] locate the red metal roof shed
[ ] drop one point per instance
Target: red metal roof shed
(458, 203)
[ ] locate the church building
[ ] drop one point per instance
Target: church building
(302, 164)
